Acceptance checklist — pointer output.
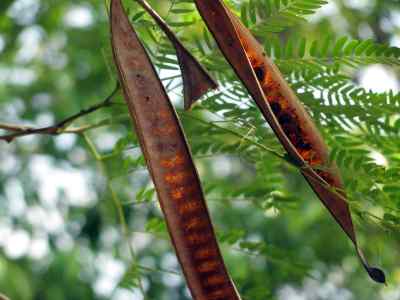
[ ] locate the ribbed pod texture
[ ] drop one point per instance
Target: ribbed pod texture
(170, 164)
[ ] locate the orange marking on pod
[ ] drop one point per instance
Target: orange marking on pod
(252, 58)
(208, 266)
(271, 98)
(214, 280)
(163, 114)
(164, 130)
(173, 162)
(204, 253)
(269, 82)
(245, 45)
(178, 177)
(189, 207)
(195, 222)
(178, 193)
(198, 238)
(307, 154)
(181, 192)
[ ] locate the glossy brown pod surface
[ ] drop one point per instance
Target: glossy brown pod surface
(196, 80)
(170, 164)
(283, 111)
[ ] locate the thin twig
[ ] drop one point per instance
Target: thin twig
(233, 132)
(58, 128)
(118, 205)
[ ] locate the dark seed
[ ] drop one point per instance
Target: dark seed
(304, 145)
(260, 73)
(285, 118)
(276, 107)
(377, 275)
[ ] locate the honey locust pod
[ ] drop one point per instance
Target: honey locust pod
(284, 112)
(170, 164)
(196, 80)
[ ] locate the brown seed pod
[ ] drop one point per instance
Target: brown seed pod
(196, 80)
(284, 112)
(170, 164)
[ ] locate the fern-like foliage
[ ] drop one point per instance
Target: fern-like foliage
(277, 15)
(359, 125)
(319, 55)
(320, 72)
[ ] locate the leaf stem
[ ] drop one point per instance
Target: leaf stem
(117, 202)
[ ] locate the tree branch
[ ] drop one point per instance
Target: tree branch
(58, 128)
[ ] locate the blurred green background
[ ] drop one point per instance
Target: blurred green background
(61, 198)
